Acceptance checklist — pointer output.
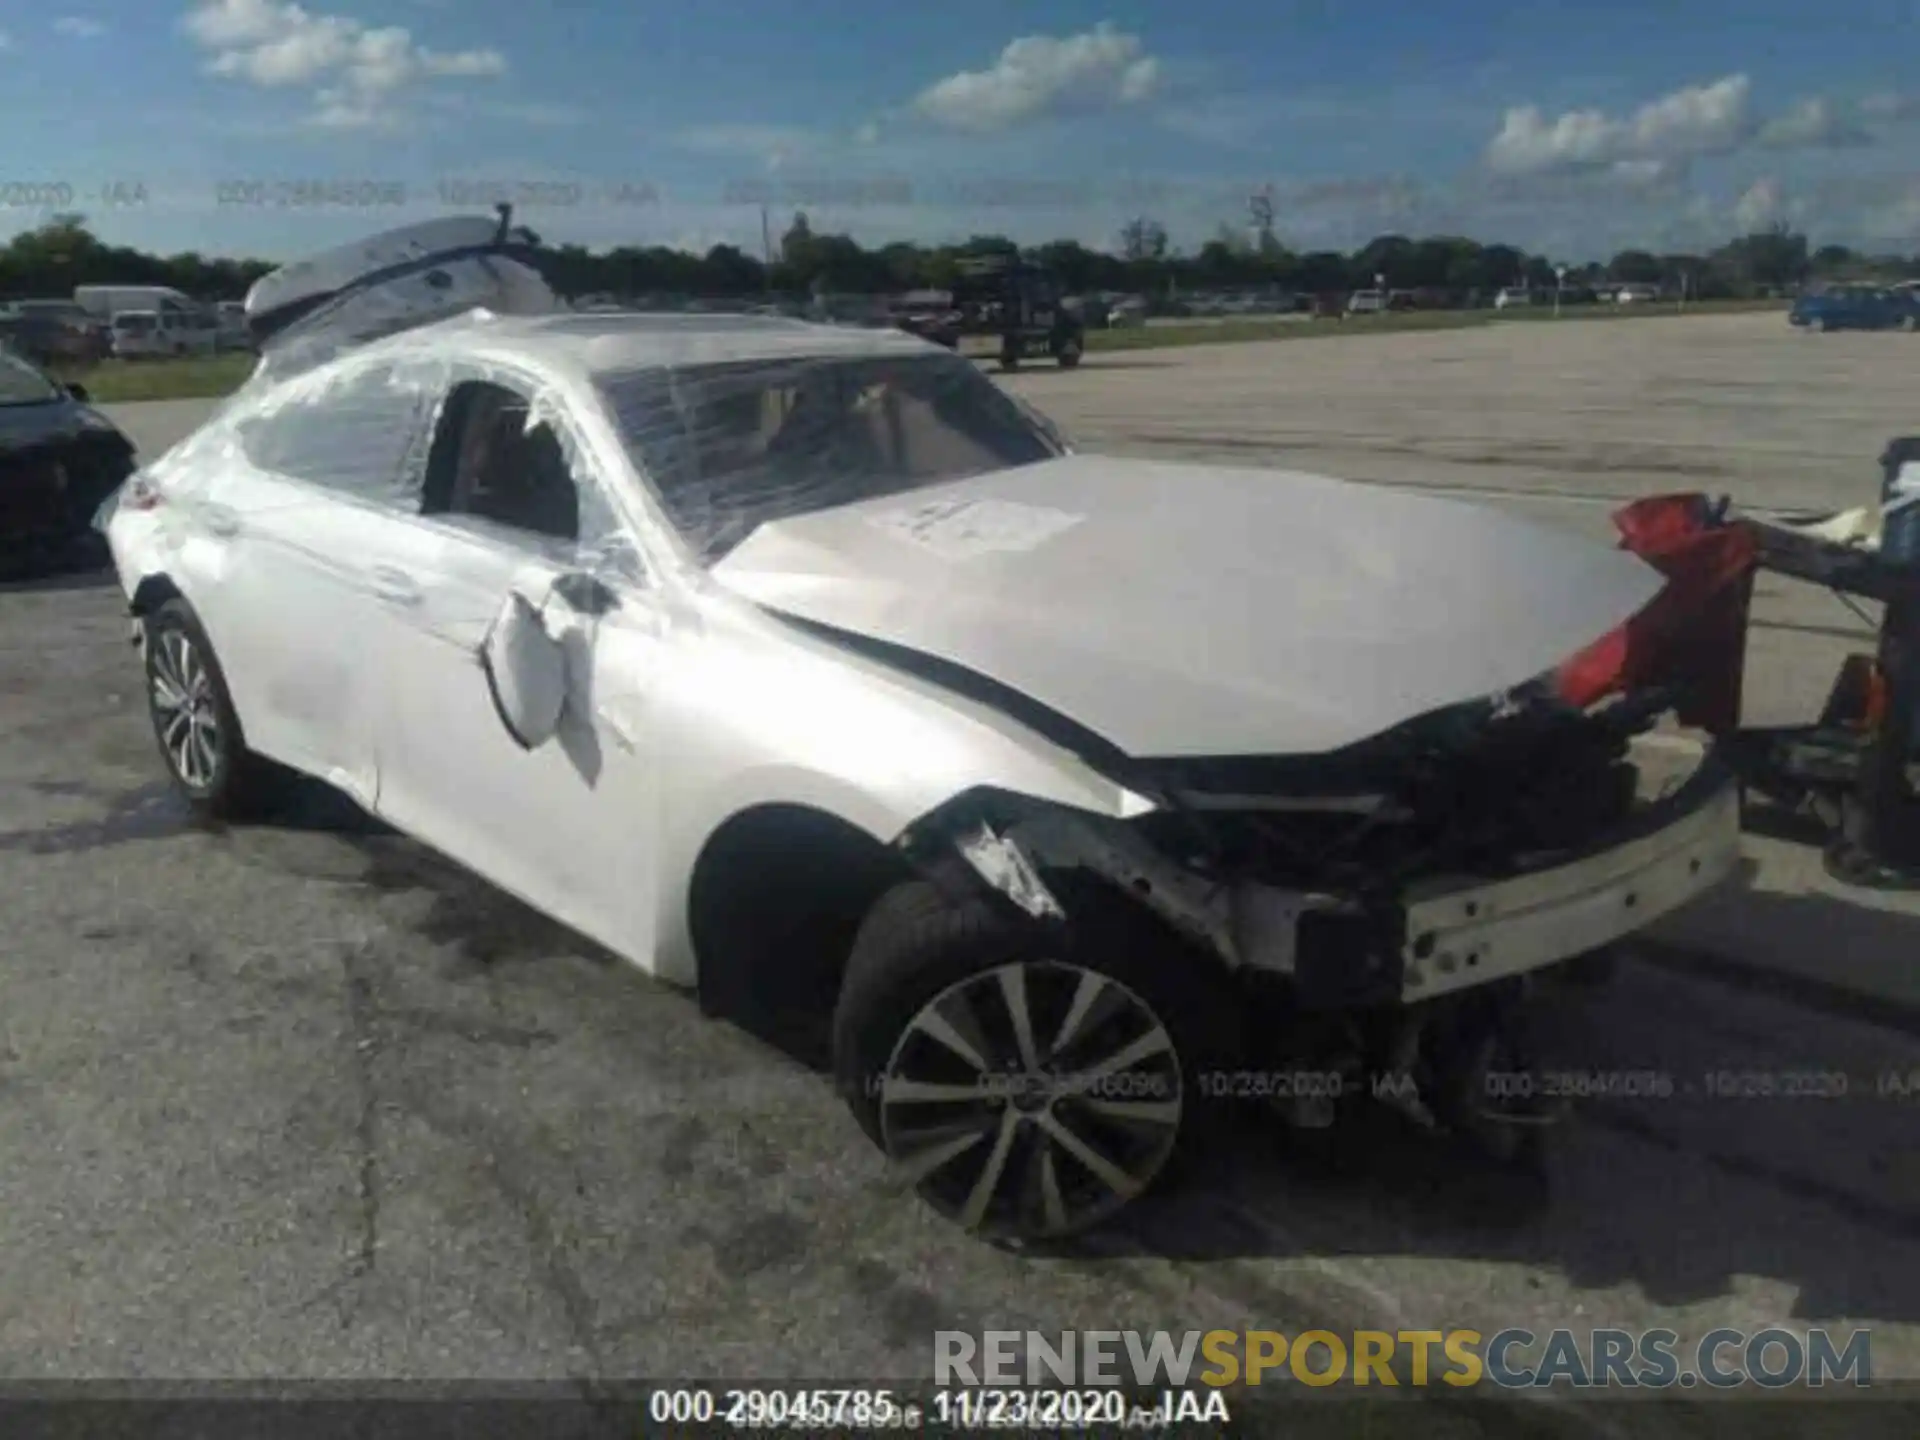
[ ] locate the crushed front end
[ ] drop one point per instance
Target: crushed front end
(1385, 908)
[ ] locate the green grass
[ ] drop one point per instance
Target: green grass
(119, 381)
(196, 378)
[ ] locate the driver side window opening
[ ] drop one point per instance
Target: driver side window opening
(494, 460)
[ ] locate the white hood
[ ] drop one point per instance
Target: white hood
(1188, 610)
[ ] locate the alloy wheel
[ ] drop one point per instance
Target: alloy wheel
(185, 713)
(1032, 1100)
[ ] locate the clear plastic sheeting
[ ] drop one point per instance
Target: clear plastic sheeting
(423, 428)
(362, 434)
(731, 445)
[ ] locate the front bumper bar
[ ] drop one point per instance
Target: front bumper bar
(1460, 934)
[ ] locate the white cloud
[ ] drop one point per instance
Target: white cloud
(1760, 206)
(1696, 120)
(359, 73)
(1042, 75)
(80, 27)
(1812, 124)
(6, 41)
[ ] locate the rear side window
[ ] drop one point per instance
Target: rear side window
(361, 434)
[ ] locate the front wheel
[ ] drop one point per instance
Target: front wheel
(1069, 354)
(1029, 1081)
(194, 721)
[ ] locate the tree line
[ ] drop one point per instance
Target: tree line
(53, 258)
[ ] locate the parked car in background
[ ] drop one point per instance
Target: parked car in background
(1635, 294)
(52, 332)
(1366, 302)
(59, 461)
(1512, 296)
(1126, 311)
(1329, 306)
(1857, 307)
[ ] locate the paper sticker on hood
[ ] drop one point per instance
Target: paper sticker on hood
(964, 529)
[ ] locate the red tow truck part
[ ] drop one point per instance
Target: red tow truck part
(1854, 768)
(1692, 637)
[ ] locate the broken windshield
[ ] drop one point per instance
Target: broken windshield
(729, 447)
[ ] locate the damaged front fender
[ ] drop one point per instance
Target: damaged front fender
(1017, 847)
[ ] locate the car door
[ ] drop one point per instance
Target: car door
(290, 513)
(514, 501)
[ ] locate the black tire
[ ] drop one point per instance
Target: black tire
(237, 784)
(1069, 355)
(1491, 1039)
(1009, 359)
(916, 947)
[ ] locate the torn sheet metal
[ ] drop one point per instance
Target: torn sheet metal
(1198, 610)
(1004, 865)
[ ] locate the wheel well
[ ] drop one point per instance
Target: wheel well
(776, 898)
(151, 593)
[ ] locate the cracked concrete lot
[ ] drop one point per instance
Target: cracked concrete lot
(300, 1100)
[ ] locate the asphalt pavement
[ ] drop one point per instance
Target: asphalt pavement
(299, 1099)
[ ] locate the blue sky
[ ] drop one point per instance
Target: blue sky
(267, 128)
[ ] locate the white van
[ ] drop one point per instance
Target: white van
(106, 301)
(145, 334)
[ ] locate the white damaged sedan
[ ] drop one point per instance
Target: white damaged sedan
(1085, 794)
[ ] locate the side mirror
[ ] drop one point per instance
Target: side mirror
(526, 671)
(79, 392)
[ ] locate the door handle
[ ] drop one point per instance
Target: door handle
(396, 587)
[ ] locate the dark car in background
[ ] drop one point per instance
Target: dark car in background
(1857, 307)
(53, 332)
(60, 460)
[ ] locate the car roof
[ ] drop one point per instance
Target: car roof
(588, 344)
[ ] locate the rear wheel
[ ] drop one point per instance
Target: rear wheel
(194, 721)
(1028, 1081)
(1069, 353)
